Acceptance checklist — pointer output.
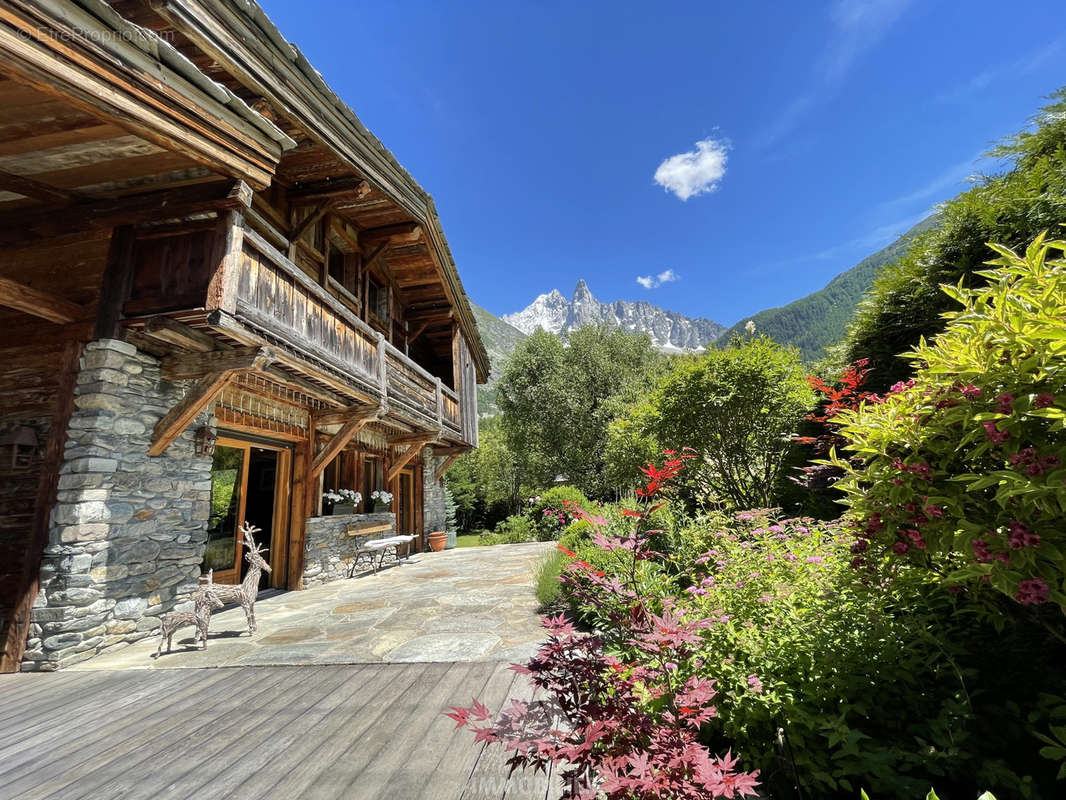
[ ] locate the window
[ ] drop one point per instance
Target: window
(373, 477)
(377, 300)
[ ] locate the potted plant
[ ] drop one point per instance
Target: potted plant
(341, 501)
(437, 540)
(382, 501)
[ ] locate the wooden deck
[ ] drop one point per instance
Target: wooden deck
(317, 732)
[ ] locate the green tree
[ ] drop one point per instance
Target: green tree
(906, 303)
(558, 399)
(485, 483)
(737, 408)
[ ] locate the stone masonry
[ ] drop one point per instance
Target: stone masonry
(433, 513)
(128, 530)
(329, 550)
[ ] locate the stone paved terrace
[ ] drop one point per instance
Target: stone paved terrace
(310, 707)
(467, 604)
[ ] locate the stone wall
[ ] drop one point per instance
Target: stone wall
(433, 513)
(128, 531)
(328, 548)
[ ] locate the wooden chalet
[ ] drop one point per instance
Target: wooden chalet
(219, 295)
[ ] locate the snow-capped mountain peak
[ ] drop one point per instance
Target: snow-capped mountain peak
(668, 330)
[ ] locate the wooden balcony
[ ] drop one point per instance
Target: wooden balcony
(275, 296)
(260, 297)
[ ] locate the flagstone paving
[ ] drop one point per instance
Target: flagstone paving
(466, 604)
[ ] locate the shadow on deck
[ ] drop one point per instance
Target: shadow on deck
(316, 732)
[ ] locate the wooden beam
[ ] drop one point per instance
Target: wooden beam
(116, 284)
(375, 254)
(196, 400)
(320, 190)
(302, 492)
(402, 232)
(421, 436)
(16, 227)
(180, 335)
(337, 442)
(39, 303)
(448, 461)
(190, 366)
(35, 190)
(412, 450)
(418, 332)
(301, 227)
(343, 415)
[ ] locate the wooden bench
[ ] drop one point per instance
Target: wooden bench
(379, 547)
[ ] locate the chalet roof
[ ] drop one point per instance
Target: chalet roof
(240, 37)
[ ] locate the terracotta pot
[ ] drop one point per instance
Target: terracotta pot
(437, 540)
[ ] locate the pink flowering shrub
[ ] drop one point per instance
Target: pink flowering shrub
(620, 729)
(554, 510)
(963, 469)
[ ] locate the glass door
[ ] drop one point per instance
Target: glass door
(228, 484)
(404, 504)
(249, 482)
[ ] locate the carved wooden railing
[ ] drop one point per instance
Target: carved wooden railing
(276, 296)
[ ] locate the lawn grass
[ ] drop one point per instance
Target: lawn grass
(466, 540)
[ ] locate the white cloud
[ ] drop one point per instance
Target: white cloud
(695, 172)
(655, 281)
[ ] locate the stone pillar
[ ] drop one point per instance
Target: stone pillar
(128, 531)
(433, 514)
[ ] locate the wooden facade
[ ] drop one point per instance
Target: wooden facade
(174, 174)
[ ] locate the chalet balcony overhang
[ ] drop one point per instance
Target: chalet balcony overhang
(224, 287)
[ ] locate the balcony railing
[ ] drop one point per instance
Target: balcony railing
(273, 294)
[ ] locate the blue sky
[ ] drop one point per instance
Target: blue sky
(734, 155)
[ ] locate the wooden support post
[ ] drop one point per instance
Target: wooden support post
(412, 450)
(418, 332)
(440, 404)
(178, 418)
(382, 375)
(190, 366)
(448, 461)
(40, 304)
(338, 442)
(226, 258)
(116, 284)
(302, 495)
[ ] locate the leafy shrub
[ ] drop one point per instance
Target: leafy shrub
(740, 405)
(552, 511)
(546, 578)
(962, 469)
(515, 530)
(625, 731)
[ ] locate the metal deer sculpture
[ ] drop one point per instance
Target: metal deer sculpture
(204, 600)
(247, 590)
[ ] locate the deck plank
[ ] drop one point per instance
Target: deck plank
(157, 750)
(318, 778)
(74, 753)
(316, 732)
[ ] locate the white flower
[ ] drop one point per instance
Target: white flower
(383, 497)
(750, 327)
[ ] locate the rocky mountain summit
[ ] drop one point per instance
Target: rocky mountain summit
(668, 330)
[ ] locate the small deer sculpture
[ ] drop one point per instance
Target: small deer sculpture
(200, 617)
(247, 590)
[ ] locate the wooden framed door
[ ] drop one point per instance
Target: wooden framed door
(250, 481)
(407, 504)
